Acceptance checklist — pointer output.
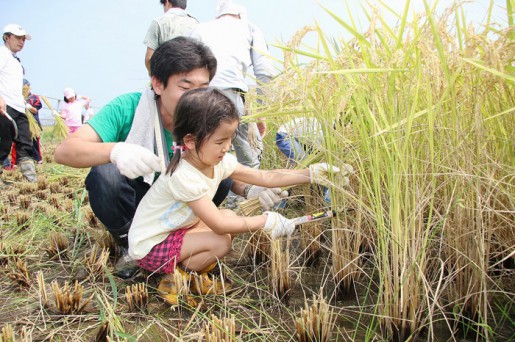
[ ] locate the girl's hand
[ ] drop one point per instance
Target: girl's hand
(277, 225)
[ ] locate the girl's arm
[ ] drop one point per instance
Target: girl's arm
(207, 211)
(271, 178)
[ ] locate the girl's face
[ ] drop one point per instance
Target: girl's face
(218, 144)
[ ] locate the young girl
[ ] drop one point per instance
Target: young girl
(71, 111)
(176, 222)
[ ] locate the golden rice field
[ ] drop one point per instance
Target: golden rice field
(423, 244)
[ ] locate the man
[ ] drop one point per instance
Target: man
(175, 22)
(33, 105)
(14, 125)
(237, 44)
(120, 140)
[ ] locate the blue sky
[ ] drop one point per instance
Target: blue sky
(96, 46)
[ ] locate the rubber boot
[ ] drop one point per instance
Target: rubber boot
(174, 287)
(204, 283)
(125, 267)
(28, 169)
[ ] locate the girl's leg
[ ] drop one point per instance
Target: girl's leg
(202, 247)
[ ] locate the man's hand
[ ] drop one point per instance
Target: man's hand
(268, 197)
(133, 160)
(319, 173)
(277, 225)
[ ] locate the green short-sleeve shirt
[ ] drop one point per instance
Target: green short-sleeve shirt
(114, 121)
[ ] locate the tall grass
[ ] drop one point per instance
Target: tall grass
(426, 113)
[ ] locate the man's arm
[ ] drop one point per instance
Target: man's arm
(83, 148)
(148, 55)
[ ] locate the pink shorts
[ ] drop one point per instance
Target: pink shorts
(162, 258)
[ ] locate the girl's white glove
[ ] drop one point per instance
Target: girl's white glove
(268, 197)
(319, 173)
(277, 225)
(134, 160)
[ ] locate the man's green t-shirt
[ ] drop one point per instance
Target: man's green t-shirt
(114, 121)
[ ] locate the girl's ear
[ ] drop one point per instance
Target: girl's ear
(189, 141)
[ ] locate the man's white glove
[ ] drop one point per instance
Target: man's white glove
(134, 160)
(319, 173)
(277, 225)
(268, 197)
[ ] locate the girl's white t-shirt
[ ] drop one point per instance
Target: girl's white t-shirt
(164, 207)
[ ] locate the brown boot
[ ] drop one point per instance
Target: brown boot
(175, 287)
(205, 283)
(28, 169)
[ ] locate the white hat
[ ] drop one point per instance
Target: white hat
(17, 30)
(69, 93)
(229, 7)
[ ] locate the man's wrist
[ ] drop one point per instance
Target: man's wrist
(246, 190)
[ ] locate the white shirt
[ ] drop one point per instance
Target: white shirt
(164, 207)
(11, 80)
(306, 130)
(237, 44)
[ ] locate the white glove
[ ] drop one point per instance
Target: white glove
(28, 106)
(268, 197)
(54, 112)
(133, 160)
(277, 225)
(319, 173)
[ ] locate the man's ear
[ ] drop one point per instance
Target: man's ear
(189, 141)
(157, 86)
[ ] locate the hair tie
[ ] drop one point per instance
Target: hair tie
(176, 147)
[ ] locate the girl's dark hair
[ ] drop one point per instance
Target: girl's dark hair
(181, 55)
(199, 113)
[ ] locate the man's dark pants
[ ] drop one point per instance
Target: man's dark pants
(114, 198)
(23, 141)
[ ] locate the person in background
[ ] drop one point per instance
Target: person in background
(71, 110)
(12, 103)
(237, 45)
(177, 226)
(33, 105)
(121, 141)
(175, 22)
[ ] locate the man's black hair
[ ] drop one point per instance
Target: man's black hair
(176, 3)
(181, 55)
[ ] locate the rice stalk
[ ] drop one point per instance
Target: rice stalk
(58, 245)
(60, 130)
(220, 330)
(35, 130)
(280, 272)
(70, 301)
(316, 321)
(137, 296)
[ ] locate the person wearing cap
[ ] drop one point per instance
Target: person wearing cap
(71, 111)
(14, 125)
(128, 142)
(237, 45)
(33, 105)
(175, 22)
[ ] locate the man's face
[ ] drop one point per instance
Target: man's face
(15, 43)
(177, 85)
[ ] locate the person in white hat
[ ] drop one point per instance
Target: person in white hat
(237, 45)
(14, 125)
(71, 110)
